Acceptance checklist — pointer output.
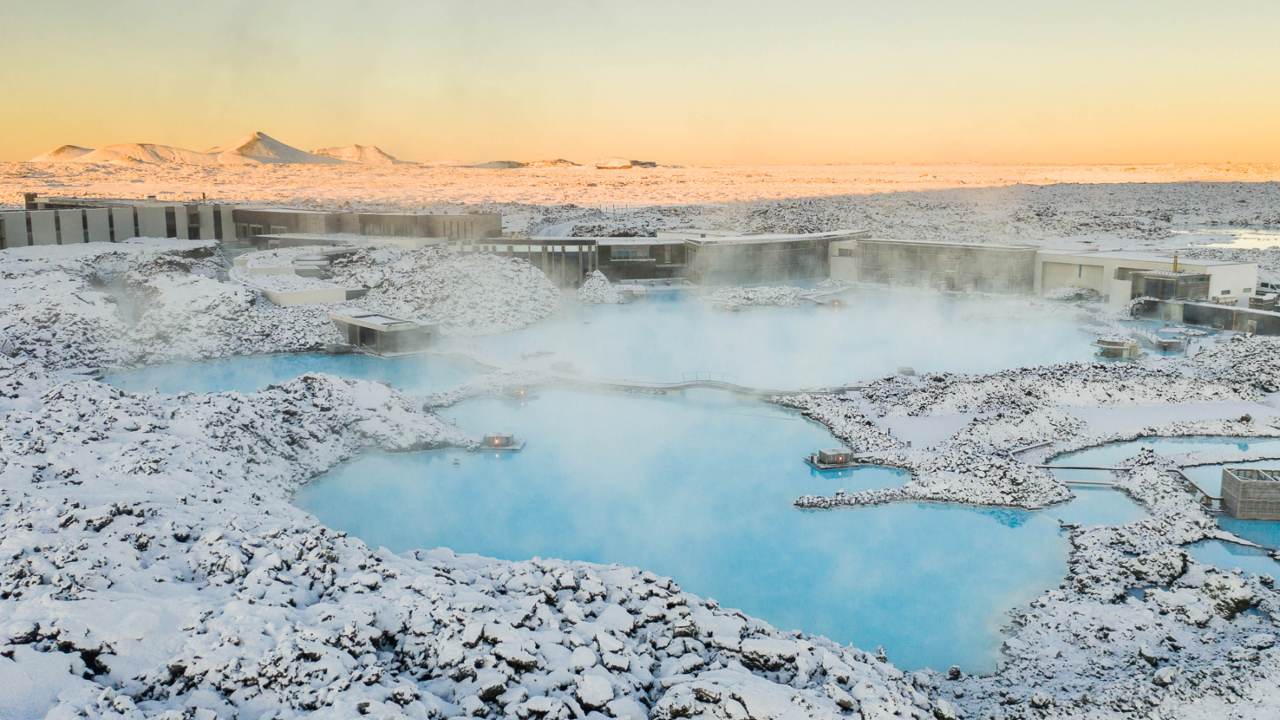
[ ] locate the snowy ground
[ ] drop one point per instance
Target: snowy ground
(1127, 206)
(154, 565)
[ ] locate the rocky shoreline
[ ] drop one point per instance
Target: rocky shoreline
(154, 565)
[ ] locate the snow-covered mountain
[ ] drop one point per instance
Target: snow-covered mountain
(253, 149)
(362, 154)
(259, 147)
(62, 153)
(145, 153)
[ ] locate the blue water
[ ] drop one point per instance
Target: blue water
(699, 488)
(1095, 505)
(1112, 454)
(870, 335)
(1229, 556)
(674, 337)
(419, 374)
(1207, 477)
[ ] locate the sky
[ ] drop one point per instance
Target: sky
(805, 81)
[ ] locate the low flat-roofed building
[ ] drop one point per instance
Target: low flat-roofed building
(721, 258)
(642, 258)
(58, 220)
(254, 222)
(1110, 273)
(382, 334)
(1251, 493)
(979, 267)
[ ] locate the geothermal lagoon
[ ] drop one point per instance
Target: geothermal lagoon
(699, 485)
(700, 488)
(674, 337)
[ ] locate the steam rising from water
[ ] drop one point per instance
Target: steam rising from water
(871, 335)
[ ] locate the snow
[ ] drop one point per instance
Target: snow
(154, 565)
(258, 147)
(466, 293)
(62, 153)
(362, 154)
(145, 153)
(733, 298)
(597, 290)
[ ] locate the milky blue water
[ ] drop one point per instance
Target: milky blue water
(1207, 477)
(699, 487)
(666, 339)
(1229, 556)
(1112, 454)
(420, 374)
(1095, 505)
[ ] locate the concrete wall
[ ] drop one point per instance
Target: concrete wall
(151, 221)
(207, 226)
(122, 224)
(99, 222)
(751, 262)
(71, 226)
(472, 226)
(70, 221)
(44, 231)
(947, 266)
(259, 221)
(228, 223)
(1101, 273)
(14, 226)
(310, 296)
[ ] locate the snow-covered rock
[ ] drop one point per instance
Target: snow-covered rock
(466, 293)
(597, 290)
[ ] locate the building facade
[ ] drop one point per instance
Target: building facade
(933, 264)
(69, 221)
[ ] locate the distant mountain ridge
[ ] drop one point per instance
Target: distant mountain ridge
(362, 154)
(259, 148)
(256, 148)
(62, 153)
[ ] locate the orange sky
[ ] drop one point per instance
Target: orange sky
(719, 82)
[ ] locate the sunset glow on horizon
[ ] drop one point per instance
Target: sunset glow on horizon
(716, 82)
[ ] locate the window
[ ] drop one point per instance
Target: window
(1247, 291)
(635, 252)
(845, 252)
(1226, 292)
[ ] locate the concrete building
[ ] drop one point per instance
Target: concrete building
(1110, 273)
(701, 256)
(381, 334)
(256, 223)
(1251, 494)
(1239, 318)
(935, 264)
(1118, 277)
(57, 220)
(564, 260)
(714, 258)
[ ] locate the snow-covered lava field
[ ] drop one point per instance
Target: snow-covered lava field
(164, 427)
